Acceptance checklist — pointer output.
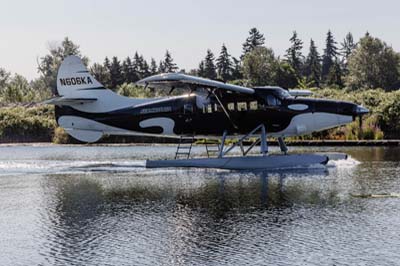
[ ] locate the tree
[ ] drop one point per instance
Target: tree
(153, 67)
(4, 77)
(129, 75)
(209, 70)
(49, 64)
(236, 69)
(140, 66)
(255, 39)
(116, 77)
(101, 74)
(330, 53)
(260, 66)
(168, 64)
(201, 72)
(293, 54)
(145, 69)
(373, 64)
(335, 75)
(224, 64)
(312, 68)
(347, 47)
(18, 90)
(286, 76)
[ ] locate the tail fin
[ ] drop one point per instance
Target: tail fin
(73, 76)
(81, 96)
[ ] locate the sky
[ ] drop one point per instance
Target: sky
(187, 28)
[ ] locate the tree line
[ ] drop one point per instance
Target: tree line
(368, 63)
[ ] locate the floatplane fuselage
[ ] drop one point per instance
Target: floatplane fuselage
(88, 111)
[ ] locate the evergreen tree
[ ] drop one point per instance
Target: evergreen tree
(168, 63)
(153, 67)
(313, 65)
(107, 64)
(209, 66)
(116, 77)
(145, 69)
(347, 47)
(224, 64)
(236, 69)
(201, 72)
(127, 69)
(335, 75)
(330, 54)
(254, 40)
(293, 54)
(101, 74)
(137, 65)
(161, 67)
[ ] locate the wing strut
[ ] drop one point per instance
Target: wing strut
(224, 109)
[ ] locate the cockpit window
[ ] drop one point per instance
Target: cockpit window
(283, 94)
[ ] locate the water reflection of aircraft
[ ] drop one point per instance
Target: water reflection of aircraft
(88, 111)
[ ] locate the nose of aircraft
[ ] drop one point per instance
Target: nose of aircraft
(360, 110)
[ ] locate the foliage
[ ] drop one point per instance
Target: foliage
(255, 39)
(131, 90)
(224, 64)
(27, 124)
(294, 55)
(207, 67)
(312, 69)
(167, 65)
(347, 47)
(373, 64)
(330, 53)
(286, 76)
(259, 66)
(60, 136)
(49, 64)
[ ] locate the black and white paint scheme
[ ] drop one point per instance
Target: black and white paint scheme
(88, 111)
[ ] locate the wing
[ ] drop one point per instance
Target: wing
(179, 80)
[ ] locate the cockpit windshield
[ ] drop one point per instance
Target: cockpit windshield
(283, 94)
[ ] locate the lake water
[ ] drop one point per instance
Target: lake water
(83, 205)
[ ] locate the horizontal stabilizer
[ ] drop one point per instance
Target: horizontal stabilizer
(300, 93)
(69, 101)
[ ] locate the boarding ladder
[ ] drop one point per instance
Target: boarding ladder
(212, 148)
(184, 147)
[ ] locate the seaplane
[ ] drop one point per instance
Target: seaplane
(206, 109)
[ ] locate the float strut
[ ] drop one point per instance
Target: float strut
(264, 145)
(221, 150)
(282, 145)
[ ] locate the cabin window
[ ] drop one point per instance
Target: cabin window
(188, 108)
(253, 105)
(209, 108)
(231, 106)
(242, 106)
(273, 101)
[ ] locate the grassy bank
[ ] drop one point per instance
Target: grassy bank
(35, 123)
